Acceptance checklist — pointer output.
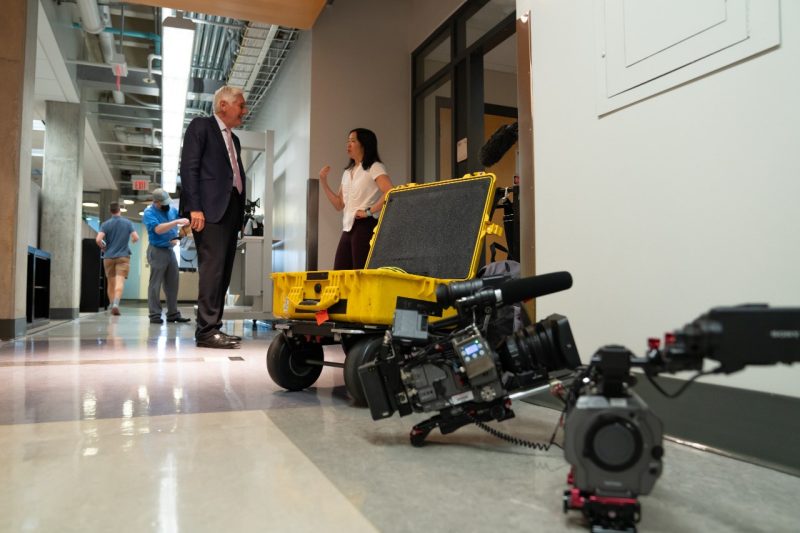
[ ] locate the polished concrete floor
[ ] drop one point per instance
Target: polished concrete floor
(114, 424)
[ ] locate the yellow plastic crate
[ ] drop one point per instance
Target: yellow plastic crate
(369, 296)
(358, 296)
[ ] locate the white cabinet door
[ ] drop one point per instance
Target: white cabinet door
(647, 46)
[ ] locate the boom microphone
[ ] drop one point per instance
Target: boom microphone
(498, 144)
(518, 290)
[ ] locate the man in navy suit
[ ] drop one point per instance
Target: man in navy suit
(212, 198)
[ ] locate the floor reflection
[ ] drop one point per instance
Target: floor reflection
(124, 367)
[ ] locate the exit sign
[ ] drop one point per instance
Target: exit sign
(140, 185)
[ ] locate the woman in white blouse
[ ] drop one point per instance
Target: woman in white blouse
(361, 194)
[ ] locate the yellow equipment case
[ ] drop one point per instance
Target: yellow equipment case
(427, 234)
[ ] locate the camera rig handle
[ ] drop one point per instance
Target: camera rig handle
(612, 365)
(452, 419)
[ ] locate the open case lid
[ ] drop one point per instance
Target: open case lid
(435, 229)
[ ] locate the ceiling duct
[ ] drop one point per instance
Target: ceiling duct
(94, 20)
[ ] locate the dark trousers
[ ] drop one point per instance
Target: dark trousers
(163, 272)
(216, 248)
(353, 249)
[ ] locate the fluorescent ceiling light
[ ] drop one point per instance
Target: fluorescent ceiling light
(90, 204)
(38, 125)
(128, 202)
(177, 45)
(123, 210)
(37, 152)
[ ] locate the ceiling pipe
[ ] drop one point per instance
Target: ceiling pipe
(90, 16)
(94, 20)
(137, 139)
(150, 72)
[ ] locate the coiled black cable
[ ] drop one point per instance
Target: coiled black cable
(518, 441)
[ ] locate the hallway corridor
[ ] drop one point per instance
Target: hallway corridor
(111, 424)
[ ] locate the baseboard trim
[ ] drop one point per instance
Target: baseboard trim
(64, 313)
(12, 327)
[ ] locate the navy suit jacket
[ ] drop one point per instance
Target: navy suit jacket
(206, 172)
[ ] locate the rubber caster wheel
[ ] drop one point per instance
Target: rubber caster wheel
(287, 366)
(362, 351)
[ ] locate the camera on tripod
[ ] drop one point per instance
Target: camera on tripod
(467, 367)
(612, 439)
(252, 224)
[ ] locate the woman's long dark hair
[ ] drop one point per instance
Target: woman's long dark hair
(369, 141)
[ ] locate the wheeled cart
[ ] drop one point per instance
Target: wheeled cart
(427, 234)
(295, 356)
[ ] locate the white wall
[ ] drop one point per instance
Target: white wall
(673, 205)
(286, 111)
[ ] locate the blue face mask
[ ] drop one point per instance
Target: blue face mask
(165, 208)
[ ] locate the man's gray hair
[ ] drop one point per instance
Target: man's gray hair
(227, 93)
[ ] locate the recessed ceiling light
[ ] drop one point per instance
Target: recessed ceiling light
(128, 202)
(123, 210)
(90, 204)
(141, 213)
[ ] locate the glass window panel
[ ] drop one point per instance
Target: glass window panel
(487, 18)
(434, 135)
(436, 56)
(500, 99)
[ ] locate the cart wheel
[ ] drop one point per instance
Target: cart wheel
(286, 363)
(362, 351)
(348, 341)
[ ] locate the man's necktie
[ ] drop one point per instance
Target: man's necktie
(237, 177)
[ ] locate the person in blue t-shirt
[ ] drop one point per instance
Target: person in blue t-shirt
(113, 240)
(162, 222)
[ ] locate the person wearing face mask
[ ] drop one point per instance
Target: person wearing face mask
(162, 222)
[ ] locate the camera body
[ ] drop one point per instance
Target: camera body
(464, 368)
(611, 438)
(614, 444)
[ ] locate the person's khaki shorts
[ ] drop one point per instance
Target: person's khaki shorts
(118, 266)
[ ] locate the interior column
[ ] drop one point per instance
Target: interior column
(18, 67)
(62, 196)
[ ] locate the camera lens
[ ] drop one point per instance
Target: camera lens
(547, 345)
(446, 295)
(613, 443)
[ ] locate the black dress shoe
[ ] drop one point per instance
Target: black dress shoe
(156, 321)
(218, 340)
(235, 338)
(181, 319)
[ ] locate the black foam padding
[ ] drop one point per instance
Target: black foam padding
(432, 231)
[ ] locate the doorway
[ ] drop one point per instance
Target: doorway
(464, 88)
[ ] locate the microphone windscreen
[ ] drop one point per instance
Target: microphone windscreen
(498, 144)
(535, 286)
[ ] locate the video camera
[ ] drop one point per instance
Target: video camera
(252, 224)
(469, 366)
(611, 438)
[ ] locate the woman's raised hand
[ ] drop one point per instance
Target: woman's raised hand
(323, 174)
